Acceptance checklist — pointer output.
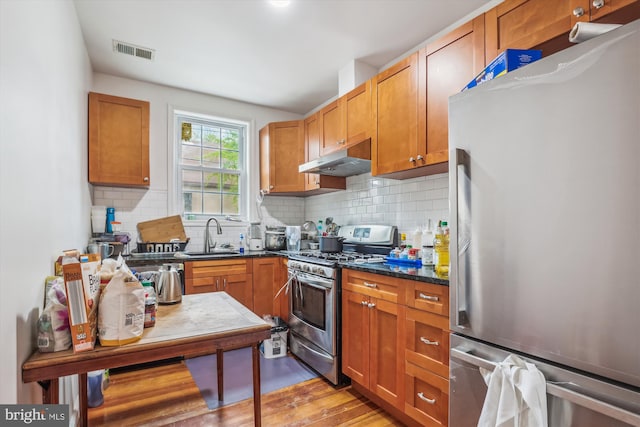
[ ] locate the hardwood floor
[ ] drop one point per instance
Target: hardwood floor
(166, 395)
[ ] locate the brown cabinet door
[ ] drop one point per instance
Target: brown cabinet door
(312, 149)
(118, 141)
(281, 152)
(358, 118)
(395, 109)
(331, 125)
(266, 277)
(427, 397)
(355, 337)
(525, 24)
(240, 287)
(600, 9)
(428, 341)
(446, 66)
(387, 351)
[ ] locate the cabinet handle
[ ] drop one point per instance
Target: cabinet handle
(364, 303)
(412, 160)
(271, 187)
(145, 179)
(420, 157)
(341, 142)
(218, 284)
(426, 399)
(598, 3)
(371, 305)
(428, 297)
(427, 342)
(224, 283)
(317, 182)
(578, 12)
(370, 285)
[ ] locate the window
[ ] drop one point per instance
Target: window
(210, 166)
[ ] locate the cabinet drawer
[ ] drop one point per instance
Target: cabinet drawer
(428, 297)
(427, 396)
(373, 285)
(428, 341)
(199, 286)
(215, 268)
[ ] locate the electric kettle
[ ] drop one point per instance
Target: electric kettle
(169, 286)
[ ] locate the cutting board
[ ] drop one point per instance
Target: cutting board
(162, 230)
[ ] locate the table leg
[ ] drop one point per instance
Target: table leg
(82, 397)
(257, 417)
(219, 368)
(50, 391)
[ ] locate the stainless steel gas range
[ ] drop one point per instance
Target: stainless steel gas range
(315, 298)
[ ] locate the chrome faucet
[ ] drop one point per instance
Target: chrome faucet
(207, 235)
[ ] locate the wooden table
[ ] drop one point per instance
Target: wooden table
(201, 323)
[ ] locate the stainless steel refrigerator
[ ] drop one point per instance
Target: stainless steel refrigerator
(544, 188)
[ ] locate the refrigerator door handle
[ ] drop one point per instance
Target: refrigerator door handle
(461, 211)
(555, 389)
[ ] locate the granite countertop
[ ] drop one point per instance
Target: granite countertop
(419, 273)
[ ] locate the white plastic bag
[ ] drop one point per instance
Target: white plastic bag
(121, 313)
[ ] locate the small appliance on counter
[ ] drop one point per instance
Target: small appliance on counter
(169, 286)
(275, 239)
(254, 237)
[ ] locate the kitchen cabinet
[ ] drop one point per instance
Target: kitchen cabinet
(373, 335)
(314, 183)
(346, 121)
(269, 275)
(234, 276)
(545, 24)
(445, 67)
(427, 353)
(118, 141)
(281, 151)
(395, 110)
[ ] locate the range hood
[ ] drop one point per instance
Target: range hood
(355, 160)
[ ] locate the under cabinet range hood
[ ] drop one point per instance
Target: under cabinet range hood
(355, 160)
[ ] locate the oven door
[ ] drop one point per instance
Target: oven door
(311, 309)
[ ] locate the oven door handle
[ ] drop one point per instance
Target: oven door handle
(314, 282)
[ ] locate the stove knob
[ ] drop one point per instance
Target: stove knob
(319, 270)
(306, 268)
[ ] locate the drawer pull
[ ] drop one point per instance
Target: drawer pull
(426, 399)
(364, 303)
(429, 297)
(371, 305)
(427, 342)
(370, 285)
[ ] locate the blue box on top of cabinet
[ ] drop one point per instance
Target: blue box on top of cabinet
(509, 60)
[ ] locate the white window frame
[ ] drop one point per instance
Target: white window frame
(174, 196)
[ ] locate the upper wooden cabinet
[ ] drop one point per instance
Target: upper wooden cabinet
(545, 24)
(346, 121)
(445, 67)
(315, 183)
(118, 141)
(394, 144)
(281, 151)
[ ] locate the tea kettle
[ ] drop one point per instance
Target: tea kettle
(169, 286)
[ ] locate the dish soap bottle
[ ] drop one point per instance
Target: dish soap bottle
(441, 250)
(241, 244)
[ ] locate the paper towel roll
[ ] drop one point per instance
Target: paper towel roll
(586, 30)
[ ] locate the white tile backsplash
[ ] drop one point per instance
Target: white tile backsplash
(408, 204)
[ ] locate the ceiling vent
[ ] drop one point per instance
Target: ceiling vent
(133, 50)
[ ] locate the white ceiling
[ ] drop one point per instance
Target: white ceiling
(286, 58)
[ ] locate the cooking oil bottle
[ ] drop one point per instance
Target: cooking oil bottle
(441, 250)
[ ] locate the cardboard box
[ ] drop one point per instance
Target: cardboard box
(82, 284)
(509, 60)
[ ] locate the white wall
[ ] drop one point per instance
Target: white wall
(136, 205)
(44, 79)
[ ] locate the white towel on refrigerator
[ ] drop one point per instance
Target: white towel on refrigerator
(516, 395)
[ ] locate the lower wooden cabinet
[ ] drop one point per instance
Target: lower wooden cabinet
(373, 335)
(269, 275)
(254, 282)
(395, 344)
(231, 275)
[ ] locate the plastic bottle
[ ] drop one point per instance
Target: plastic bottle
(111, 216)
(46, 341)
(417, 238)
(241, 244)
(427, 247)
(150, 304)
(319, 227)
(95, 397)
(403, 241)
(441, 250)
